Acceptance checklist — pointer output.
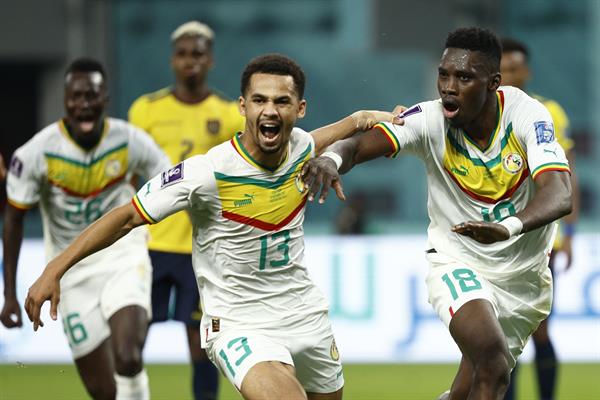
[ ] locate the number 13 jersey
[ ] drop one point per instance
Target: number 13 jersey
(248, 238)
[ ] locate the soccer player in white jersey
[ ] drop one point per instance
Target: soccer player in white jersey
(497, 180)
(77, 169)
(264, 322)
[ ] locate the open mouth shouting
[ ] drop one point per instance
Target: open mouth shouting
(450, 107)
(269, 132)
(85, 123)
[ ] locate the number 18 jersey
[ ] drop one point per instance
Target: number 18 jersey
(248, 238)
(469, 183)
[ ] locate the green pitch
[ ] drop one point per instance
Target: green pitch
(363, 382)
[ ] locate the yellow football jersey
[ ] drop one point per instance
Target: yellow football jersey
(561, 132)
(183, 130)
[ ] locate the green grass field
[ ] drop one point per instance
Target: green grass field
(363, 382)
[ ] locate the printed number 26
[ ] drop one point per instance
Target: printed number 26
(283, 248)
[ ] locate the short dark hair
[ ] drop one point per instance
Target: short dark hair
(275, 64)
(510, 44)
(477, 39)
(85, 65)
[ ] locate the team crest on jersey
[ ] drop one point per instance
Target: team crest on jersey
(333, 351)
(16, 166)
(544, 132)
(112, 168)
(213, 126)
(512, 163)
(171, 176)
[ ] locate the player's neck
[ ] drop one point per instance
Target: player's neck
(481, 129)
(270, 161)
(190, 94)
(86, 141)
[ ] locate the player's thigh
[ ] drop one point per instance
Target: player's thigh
(316, 356)
(162, 284)
(451, 284)
(524, 302)
(96, 370)
(272, 380)
(84, 323)
(187, 298)
(125, 303)
(337, 395)
(237, 352)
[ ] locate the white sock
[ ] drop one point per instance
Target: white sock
(133, 388)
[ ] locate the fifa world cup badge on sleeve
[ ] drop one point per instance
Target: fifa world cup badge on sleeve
(171, 176)
(16, 166)
(544, 132)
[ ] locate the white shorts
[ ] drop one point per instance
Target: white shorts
(308, 346)
(86, 308)
(520, 303)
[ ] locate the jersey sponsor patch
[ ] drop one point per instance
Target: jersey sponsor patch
(171, 176)
(544, 132)
(16, 166)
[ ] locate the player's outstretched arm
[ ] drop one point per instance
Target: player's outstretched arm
(12, 239)
(359, 121)
(99, 235)
(321, 173)
(552, 200)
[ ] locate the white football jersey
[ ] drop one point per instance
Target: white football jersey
(469, 183)
(248, 239)
(74, 187)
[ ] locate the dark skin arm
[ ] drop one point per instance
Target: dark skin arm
(320, 173)
(552, 200)
(12, 238)
(99, 235)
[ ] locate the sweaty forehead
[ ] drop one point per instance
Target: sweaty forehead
(462, 59)
(77, 80)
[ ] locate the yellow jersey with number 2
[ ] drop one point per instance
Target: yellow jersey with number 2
(183, 130)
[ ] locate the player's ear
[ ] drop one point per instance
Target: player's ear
(301, 108)
(494, 81)
(242, 106)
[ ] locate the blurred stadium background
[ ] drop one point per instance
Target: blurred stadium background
(357, 54)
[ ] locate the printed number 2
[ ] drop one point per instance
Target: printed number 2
(74, 330)
(243, 346)
(282, 247)
(466, 279)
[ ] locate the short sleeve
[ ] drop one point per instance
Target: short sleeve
(147, 158)
(561, 124)
(174, 189)
(408, 137)
(23, 179)
(535, 129)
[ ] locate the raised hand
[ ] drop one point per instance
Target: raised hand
(483, 232)
(45, 288)
(11, 313)
(320, 174)
(367, 119)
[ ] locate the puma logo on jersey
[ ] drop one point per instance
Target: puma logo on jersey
(463, 171)
(551, 151)
(244, 202)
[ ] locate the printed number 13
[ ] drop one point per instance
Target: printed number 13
(282, 247)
